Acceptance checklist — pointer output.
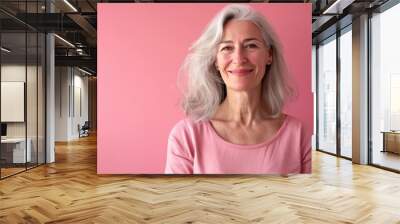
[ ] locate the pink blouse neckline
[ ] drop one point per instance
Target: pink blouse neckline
(247, 146)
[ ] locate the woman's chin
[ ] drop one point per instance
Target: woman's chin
(242, 86)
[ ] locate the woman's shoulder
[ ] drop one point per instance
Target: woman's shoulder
(188, 123)
(187, 126)
(295, 125)
(293, 121)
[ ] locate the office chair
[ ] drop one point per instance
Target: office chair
(84, 130)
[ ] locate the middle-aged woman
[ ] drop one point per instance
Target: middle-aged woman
(236, 88)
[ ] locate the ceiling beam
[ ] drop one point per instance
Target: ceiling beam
(85, 61)
(84, 24)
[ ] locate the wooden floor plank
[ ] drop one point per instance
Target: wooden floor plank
(70, 191)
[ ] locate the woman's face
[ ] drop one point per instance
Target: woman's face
(242, 56)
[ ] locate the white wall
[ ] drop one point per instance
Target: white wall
(80, 110)
(71, 93)
(17, 73)
(61, 103)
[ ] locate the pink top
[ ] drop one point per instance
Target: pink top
(196, 148)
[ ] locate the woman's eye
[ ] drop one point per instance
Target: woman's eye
(251, 46)
(227, 48)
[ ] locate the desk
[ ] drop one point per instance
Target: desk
(15, 148)
(391, 141)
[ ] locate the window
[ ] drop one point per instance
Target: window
(327, 95)
(346, 93)
(385, 88)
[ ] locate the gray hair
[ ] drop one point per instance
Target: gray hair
(205, 89)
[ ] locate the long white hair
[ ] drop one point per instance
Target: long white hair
(204, 89)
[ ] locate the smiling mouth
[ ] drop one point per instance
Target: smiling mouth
(240, 72)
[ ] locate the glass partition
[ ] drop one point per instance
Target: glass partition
(13, 110)
(22, 88)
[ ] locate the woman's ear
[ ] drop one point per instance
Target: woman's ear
(270, 55)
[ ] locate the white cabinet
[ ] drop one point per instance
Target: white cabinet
(18, 149)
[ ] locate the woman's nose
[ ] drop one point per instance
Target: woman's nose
(239, 55)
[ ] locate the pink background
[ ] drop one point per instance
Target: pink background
(140, 50)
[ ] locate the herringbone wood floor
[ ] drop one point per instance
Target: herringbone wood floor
(70, 191)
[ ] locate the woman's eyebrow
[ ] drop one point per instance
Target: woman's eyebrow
(245, 40)
(251, 39)
(226, 42)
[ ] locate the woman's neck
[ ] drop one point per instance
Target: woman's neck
(243, 107)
